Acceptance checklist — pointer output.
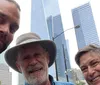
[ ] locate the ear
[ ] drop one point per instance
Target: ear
(48, 58)
(18, 66)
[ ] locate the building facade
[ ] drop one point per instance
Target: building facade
(55, 28)
(5, 75)
(46, 21)
(86, 33)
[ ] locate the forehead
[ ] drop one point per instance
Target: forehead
(9, 9)
(88, 57)
(29, 47)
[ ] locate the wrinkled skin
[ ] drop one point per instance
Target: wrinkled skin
(33, 62)
(90, 66)
(9, 23)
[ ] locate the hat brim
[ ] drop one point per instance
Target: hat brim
(11, 54)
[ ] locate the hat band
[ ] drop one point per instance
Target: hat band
(28, 41)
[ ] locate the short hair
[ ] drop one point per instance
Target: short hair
(86, 49)
(13, 1)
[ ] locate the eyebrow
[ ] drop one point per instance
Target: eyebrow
(4, 15)
(7, 18)
(90, 62)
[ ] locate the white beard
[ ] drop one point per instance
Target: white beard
(32, 80)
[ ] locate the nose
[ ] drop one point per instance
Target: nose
(4, 28)
(91, 71)
(33, 61)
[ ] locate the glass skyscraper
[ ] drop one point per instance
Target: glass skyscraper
(46, 21)
(86, 33)
(55, 28)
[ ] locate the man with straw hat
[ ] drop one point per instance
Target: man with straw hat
(32, 56)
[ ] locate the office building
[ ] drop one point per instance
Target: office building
(55, 28)
(42, 14)
(21, 80)
(2, 58)
(86, 33)
(5, 75)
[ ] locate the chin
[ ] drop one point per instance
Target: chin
(3, 48)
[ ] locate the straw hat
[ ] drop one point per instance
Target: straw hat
(27, 38)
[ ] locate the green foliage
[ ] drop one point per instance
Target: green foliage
(0, 82)
(80, 83)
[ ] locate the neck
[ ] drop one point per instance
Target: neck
(46, 83)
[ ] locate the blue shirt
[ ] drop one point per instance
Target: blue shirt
(56, 82)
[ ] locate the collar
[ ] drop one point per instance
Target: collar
(50, 78)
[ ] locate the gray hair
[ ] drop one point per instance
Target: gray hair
(89, 48)
(14, 2)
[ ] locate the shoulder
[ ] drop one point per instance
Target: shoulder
(63, 83)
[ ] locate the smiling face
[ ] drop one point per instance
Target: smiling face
(9, 23)
(90, 66)
(33, 62)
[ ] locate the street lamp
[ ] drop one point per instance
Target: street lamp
(53, 38)
(77, 26)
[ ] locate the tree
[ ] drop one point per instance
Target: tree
(0, 82)
(80, 83)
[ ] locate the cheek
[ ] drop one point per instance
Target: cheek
(85, 75)
(23, 67)
(97, 68)
(9, 38)
(48, 60)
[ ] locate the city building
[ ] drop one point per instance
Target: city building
(46, 21)
(21, 80)
(86, 33)
(5, 75)
(55, 28)
(2, 60)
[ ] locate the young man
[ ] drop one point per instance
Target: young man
(32, 57)
(9, 22)
(88, 60)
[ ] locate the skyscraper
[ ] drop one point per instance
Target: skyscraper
(42, 14)
(86, 33)
(5, 75)
(55, 28)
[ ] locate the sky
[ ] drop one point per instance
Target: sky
(65, 9)
(24, 27)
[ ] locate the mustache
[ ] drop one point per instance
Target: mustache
(32, 68)
(92, 78)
